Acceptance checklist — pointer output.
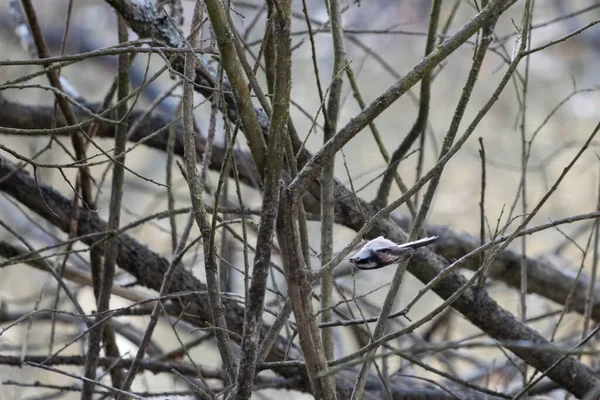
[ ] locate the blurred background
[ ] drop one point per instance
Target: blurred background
(384, 40)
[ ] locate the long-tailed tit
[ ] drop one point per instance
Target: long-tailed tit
(381, 252)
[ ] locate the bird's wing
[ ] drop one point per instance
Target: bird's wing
(399, 250)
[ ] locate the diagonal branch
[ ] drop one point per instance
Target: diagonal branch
(546, 277)
(313, 168)
(420, 125)
(417, 226)
(429, 268)
(149, 268)
(146, 266)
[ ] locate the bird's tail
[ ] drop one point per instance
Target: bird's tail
(420, 243)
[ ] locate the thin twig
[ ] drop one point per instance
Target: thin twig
(328, 174)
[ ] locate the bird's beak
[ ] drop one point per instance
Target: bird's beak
(352, 260)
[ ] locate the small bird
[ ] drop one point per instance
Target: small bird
(381, 252)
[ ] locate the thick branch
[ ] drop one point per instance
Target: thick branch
(146, 266)
(545, 277)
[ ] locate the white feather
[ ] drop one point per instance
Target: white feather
(420, 242)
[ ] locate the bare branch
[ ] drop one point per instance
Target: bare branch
(343, 136)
